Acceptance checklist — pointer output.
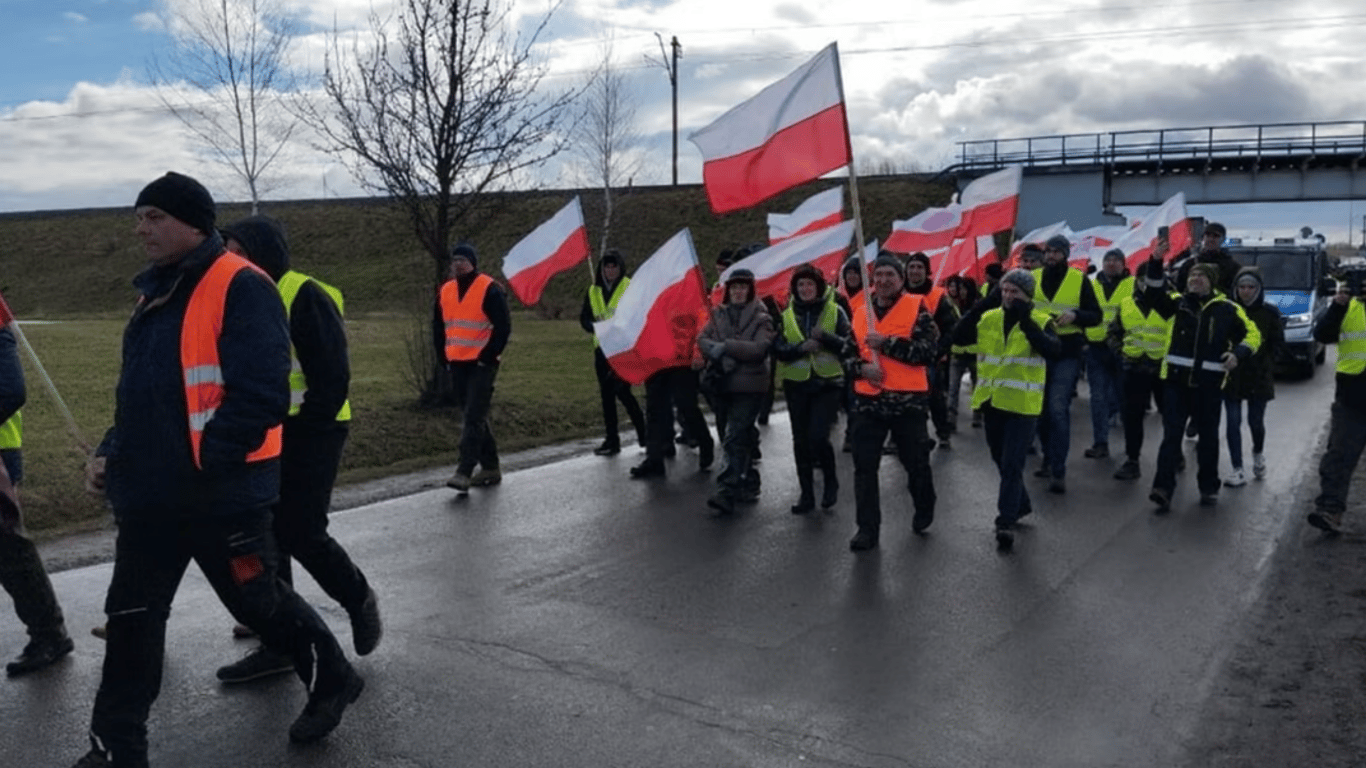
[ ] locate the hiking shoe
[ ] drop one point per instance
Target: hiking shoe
(1328, 522)
(1259, 466)
(459, 481)
(608, 448)
(486, 477)
(1236, 478)
(1097, 451)
(242, 632)
(261, 662)
(1129, 470)
(366, 627)
(40, 653)
(1162, 500)
(323, 712)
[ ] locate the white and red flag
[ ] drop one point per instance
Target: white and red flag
(6, 316)
(553, 247)
(821, 210)
(990, 203)
(1138, 243)
(930, 230)
(1089, 245)
(1037, 237)
(791, 132)
(965, 257)
(826, 249)
(657, 321)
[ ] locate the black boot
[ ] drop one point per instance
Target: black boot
(831, 492)
(807, 481)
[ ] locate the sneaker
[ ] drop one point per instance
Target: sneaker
(40, 653)
(1236, 478)
(459, 481)
(1129, 470)
(1328, 522)
(366, 627)
(1162, 500)
(486, 477)
(261, 662)
(323, 712)
(608, 448)
(1097, 451)
(1259, 466)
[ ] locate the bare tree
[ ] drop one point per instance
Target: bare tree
(607, 133)
(225, 79)
(438, 108)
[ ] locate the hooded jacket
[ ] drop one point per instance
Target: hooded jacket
(738, 337)
(1253, 379)
(1203, 329)
(808, 317)
(316, 328)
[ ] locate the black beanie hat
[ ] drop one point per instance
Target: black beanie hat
(465, 251)
(183, 198)
(920, 257)
(613, 256)
(993, 270)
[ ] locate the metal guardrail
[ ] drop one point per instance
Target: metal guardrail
(1340, 138)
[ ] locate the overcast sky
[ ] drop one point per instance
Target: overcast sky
(80, 127)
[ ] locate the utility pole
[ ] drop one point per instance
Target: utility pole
(671, 66)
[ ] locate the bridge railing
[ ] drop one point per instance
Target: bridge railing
(1240, 141)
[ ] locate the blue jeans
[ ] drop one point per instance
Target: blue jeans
(1103, 375)
(1256, 423)
(1055, 423)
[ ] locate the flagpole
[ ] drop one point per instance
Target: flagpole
(65, 412)
(859, 239)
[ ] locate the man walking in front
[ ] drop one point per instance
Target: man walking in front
(314, 434)
(191, 468)
(473, 324)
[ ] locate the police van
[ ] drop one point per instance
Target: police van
(1295, 280)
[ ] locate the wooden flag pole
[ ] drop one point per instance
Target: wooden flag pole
(65, 412)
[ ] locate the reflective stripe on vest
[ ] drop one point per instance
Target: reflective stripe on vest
(1352, 340)
(603, 310)
(1010, 373)
(199, 332)
(1109, 307)
(825, 362)
(12, 432)
(899, 322)
(467, 329)
(1145, 335)
(1189, 362)
(289, 285)
(1068, 297)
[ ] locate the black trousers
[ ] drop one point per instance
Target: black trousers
(939, 401)
(1346, 441)
(812, 411)
(611, 388)
(1203, 405)
(473, 387)
(1141, 384)
(665, 391)
(911, 437)
(308, 469)
(21, 569)
(237, 555)
(1008, 438)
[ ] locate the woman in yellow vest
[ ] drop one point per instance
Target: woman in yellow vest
(1013, 344)
(600, 304)
(812, 333)
(1344, 324)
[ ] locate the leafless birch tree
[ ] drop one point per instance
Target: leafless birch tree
(607, 135)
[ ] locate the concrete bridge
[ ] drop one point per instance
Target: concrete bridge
(1083, 177)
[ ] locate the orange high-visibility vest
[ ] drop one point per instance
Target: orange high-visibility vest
(199, 332)
(931, 299)
(897, 323)
(467, 328)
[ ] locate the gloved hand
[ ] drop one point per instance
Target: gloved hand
(1230, 361)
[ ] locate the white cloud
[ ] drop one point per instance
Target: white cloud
(149, 22)
(76, 17)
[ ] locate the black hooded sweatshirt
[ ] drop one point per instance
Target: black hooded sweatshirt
(316, 328)
(586, 317)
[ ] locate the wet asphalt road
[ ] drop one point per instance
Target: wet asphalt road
(572, 617)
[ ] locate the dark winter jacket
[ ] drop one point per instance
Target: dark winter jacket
(150, 470)
(945, 314)
(12, 397)
(1228, 269)
(738, 337)
(1253, 378)
(495, 308)
(1351, 387)
(1203, 330)
(808, 317)
(316, 328)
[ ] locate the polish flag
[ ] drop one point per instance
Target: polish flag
(553, 247)
(1138, 243)
(1089, 245)
(826, 249)
(990, 203)
(793, 131)
(931, 229)
(962, 258)
(824, 209)
(1037, 237)
(6, 316)
(657, 321)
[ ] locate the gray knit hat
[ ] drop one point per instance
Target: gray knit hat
(1022, 279)
(1059, 243)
